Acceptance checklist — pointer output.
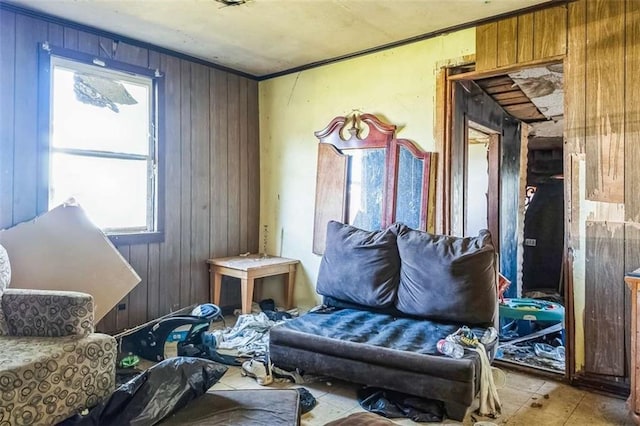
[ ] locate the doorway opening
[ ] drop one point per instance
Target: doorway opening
(482, 182)
(504, 137)
(532, 323)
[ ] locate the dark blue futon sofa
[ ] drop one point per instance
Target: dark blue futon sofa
(389, 296)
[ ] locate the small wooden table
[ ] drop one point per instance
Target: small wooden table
(248, 268)
(634, 398)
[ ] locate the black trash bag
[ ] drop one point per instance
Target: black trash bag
(307, 401)
(268, 306)
(208, 352)
(155, 394)
(393, 404)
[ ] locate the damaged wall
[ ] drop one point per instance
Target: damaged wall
(211, 168)
(602, 150)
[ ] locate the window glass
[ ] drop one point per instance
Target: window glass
(115, 196)
(104, 124)
(409, 195)
(365, 187)
(101, 144)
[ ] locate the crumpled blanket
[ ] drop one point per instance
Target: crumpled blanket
(248, 337)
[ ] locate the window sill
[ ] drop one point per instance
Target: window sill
(136, 238)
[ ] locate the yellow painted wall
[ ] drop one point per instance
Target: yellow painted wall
(397, 85)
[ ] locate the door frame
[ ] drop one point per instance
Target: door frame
(493, 172)
(445, 78)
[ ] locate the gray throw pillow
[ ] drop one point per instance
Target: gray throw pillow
(446, 278)
(359, 266)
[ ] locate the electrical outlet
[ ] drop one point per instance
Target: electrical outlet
(122, 306)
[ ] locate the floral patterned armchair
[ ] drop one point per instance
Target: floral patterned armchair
(52, 364)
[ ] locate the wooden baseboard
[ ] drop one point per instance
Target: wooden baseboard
(619, 389)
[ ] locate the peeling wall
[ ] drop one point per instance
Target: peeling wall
(601, 40)
(602, 152)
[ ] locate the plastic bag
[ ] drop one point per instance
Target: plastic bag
(548, 351)
(154, 394)
(392, 404)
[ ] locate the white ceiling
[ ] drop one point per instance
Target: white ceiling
(262, 37)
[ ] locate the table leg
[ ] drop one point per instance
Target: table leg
(289, 285)
(258, 284)
(246, 290)
(217, 285)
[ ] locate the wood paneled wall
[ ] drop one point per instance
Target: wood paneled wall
(532, 36)
(601, 40)
(211, 167)
(604, 78)
(605, 305)
(603, 127)
(631, 110)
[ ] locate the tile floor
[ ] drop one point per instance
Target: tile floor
(561, 404)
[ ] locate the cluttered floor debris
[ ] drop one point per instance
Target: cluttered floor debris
(532, 334)
(525, 400)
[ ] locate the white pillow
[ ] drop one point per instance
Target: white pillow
(5, 278)
(5, 269)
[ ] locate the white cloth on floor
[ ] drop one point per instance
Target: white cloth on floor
(489, 400)
(248, 337)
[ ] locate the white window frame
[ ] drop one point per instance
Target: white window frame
(51, 58)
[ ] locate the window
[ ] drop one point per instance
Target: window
(102, 147)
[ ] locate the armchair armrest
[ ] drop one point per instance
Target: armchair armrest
(42, 313)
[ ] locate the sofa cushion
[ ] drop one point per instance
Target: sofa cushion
(378, 339)
(44, 380)
(446, 278)
(359, 266)
(47, 313)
